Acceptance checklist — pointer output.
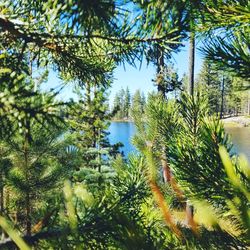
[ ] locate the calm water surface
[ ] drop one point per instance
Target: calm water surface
(241, 139)
(123, 131)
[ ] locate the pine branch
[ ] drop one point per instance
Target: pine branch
(41, 39)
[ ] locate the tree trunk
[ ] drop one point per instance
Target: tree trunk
(166, 170)
(159, 70)
(191, 62)
(189, 208)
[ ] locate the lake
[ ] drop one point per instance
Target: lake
(123, 131)
(240, 137)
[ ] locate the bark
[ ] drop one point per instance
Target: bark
(159, 71)
(191, 62)
(166, 171)
(191, 92)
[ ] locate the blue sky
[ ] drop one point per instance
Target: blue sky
(134, 78)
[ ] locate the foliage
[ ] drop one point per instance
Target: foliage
(192, 149)
(198, 164)
(80, 38)
(62, 184)
(125, 104)
(36, 169)
(168, 79)
(238, 175)
(114, 218)
(230, 52)
(227, 94)
(228, 29)
(21, 103)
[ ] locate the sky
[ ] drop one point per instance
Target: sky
(134, 78)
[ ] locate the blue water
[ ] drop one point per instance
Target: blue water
(123, 131)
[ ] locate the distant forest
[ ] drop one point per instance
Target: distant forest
(125, 103)
(226, 95)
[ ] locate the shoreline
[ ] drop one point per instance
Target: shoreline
(234, 121)
(121, 120)
(237, 121)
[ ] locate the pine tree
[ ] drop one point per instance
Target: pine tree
(37, 167)
(122, 103)
(137, 102)
(169, 80)
(143, 101)
(117, 106)
(89, 122)
(127, 103)
(218, 87)
(82, 41)
(122, 94)
(210, 79)
(158, 23)
(228, 48)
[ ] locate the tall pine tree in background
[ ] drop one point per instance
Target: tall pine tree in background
(124, 103)
(127, 103)
(137, 104)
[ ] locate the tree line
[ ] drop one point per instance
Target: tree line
(124, 104)
(226, 94)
